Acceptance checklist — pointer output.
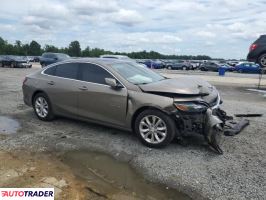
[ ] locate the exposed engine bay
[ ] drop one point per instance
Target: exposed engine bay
(212, 124)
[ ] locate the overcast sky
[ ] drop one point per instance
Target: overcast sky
(219, 28)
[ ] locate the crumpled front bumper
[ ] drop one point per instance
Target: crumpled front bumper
(209, 123)
(213, 129)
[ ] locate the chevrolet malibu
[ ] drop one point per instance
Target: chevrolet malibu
(128, 96)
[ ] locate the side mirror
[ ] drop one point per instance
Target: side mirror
(113, 83)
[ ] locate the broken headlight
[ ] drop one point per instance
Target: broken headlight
(190, 107)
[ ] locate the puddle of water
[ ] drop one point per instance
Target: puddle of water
(8, 125)
(113, 179)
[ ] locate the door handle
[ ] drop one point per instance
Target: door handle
(83, 88)
(50, 82)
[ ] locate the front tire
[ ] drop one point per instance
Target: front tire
(154, 128)
(42, 107)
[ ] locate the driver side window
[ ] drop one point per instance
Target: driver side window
(93, 73)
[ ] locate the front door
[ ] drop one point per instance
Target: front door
(97, 100)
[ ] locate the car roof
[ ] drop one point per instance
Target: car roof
(100, 61)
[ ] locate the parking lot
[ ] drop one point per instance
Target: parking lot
(194, 170)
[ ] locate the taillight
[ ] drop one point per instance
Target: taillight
(253, 47)
(24, 81)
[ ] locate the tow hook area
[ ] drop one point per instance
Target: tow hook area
(214, 128)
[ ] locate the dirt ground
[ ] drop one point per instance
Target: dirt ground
(23, 170)
(32, 156)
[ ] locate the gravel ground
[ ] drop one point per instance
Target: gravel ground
(238, 174)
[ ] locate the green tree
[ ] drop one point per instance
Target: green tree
(25, 49)
(50, 48)
(74, 49)
(86, 52)
(18, 48)
(35, 48)
(2, 45)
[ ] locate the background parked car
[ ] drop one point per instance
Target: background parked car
(209, 66)
(248, 68)
(15, 61)
(120, 57)
(195, 64)
(179, 64)
(257, 51)
(232, 63)
(49, 58)
(34, 58)
(227, 67)
(154, 64)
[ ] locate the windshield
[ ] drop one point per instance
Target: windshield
(136, 74)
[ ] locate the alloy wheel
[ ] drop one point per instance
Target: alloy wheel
(153, 129)
(41, 107)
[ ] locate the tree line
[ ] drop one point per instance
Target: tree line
(74, 50)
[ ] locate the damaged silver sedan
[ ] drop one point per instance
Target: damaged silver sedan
(127, 96)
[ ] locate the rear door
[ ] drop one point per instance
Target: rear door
(61, 87)
(97, 100)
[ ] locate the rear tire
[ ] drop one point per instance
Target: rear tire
(42, 107)
(262, 60)
(154, 128)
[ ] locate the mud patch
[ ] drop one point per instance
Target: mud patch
(8, 125)
(23, 170)
(111, 179)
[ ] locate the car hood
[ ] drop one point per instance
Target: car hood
(189, 86)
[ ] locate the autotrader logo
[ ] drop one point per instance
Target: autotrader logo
(26, 193)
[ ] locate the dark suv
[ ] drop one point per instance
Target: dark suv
(49, 58)
(257, 51)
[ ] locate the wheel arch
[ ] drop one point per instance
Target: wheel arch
(140, 110)
(261, 53)
(37, 92)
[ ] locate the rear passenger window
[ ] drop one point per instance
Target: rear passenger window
(50, 71)
(93, 73)
(68, 70)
